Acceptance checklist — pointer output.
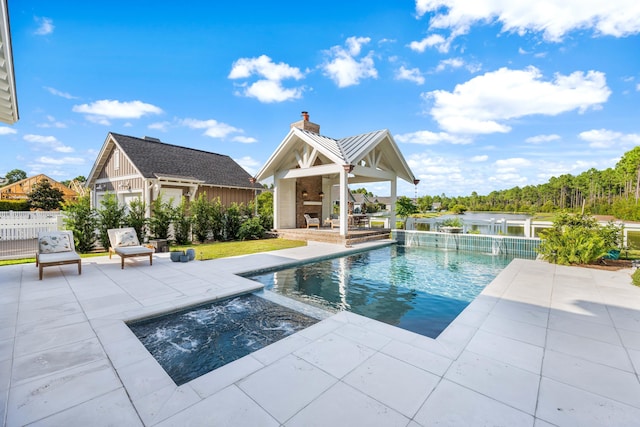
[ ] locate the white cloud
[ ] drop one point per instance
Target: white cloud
(249, 164)
(161, 126)
(483, 104)
(213, 128)
(344, 69)
(7, 131)
(539, 139)
(413, 75)
(512, 163)
(449, 63)
(603, 138)
(52, 123)
(553, 18)
(61, 161)
(479, 158)
(638, 87)
(59, 93)
(244, 139)
(426, 137)
(268, 88)
(101, 111)
(434, 40)
(49, 142)
(45, 26)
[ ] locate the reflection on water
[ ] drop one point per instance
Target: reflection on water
(194, 341)
(415, 288)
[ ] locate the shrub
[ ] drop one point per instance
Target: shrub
(251, 229)
(162, 215)
(232, 222)
(111, 215)
(82, 220)
(452, 222)
(201, 217)
(14, 205)
(136, 218)
(217, 220)
(182, 224)
(635, 277)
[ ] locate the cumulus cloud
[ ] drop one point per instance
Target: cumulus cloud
(413, 75)
(101, 111)
(604, 138)
(7, 131)
(344, 68)
(161, 126)
(249, 164)
(426, 137)
(483, 104)
(52, 123)
(479, 158)
(212, 128)
(268, 88)
(59, 93)
(49, 142)
(244, 139)
(539, 139)
(45, 26)
(60, 161)
(554, 19)
(434, 40)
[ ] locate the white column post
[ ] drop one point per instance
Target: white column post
(392, 209)
(276, 203)
(344, 199)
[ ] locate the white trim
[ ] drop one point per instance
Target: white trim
(311, 203)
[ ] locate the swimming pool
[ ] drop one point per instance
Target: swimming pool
(415, 288)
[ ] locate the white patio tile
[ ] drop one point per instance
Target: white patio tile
(506, 383)
(522, 312)
(510, 328)
(576, 325)
(166, 402)
(341, 405)
(49, 395)
(456, 337)
(286, 386)
(563, 405)
(630, 339)
(50, 361)
(280, 349)
(46, 339)
(589, 349)
(227, 408)
(618, 385)
(125, 352)
(363, 336)
(321, 329)
(143, 378)
(214, 381)
(418, 357)
(507, 350)
(23, 328)
(453, 405)
(335, 354)
(110, 409)
(396, 384)
(634, 355)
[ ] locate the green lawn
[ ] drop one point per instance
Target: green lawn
(208, 250)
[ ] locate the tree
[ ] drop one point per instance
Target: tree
(82, 220)
(45, 197)
(15, 175)
(404, 208)
(110, 215)
(136, 218)
(201, 217)
(162, 215)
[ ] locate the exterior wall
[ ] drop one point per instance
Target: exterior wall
(286, 203)
(117, 165)
(227, 195)
(313, 206)
(20, 190)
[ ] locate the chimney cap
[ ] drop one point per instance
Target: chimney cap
(305, 115)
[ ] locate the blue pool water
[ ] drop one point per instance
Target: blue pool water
(415, 288)
(194, 341)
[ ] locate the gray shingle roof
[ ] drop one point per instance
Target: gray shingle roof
(153, 158)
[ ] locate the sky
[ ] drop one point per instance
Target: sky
(479, 95)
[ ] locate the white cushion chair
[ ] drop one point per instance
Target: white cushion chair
(124, 242)
(312, 222)
(56, 248)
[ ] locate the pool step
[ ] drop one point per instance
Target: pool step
(354, 236)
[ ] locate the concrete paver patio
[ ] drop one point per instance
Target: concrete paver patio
(542, 345)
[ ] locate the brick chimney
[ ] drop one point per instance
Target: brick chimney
(305, 124)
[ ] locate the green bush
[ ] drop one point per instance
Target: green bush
(182, 224)
(110, 215)
(201, 217)
(232, 222)
(162, 215)
(136, 218)
(14, 205)
(635, 277)
(578, 239)
(82, 220)
(251, 229)
(452, 222)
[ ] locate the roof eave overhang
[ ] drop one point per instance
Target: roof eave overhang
(8, 95)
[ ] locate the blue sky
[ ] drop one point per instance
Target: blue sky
(480, 95)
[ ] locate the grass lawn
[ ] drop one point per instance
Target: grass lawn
(207, 250)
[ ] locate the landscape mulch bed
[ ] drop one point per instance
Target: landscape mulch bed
(609, 264)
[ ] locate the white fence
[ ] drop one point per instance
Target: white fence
(19, 231)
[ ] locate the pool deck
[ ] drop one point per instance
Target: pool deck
(542, 345)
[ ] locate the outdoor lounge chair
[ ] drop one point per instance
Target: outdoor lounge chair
(312, 222)
(56, 248)
(124, 242)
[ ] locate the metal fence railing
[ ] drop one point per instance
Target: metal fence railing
(19, 231)
(520, 247)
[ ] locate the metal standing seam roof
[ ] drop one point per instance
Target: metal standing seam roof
(155, 158)
(347, 149)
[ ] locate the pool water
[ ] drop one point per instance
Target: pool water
(194, 341)
(415, 288)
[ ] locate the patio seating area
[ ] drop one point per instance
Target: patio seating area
(542, 345)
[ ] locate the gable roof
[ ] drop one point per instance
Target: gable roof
(343, 151)
(155, 159)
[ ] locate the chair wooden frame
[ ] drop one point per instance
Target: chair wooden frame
(312, 222)
(127, 251)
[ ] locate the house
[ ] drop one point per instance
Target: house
(20, 190)
(306, 165)
(147, 168)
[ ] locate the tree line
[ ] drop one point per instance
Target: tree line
(613, 191)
